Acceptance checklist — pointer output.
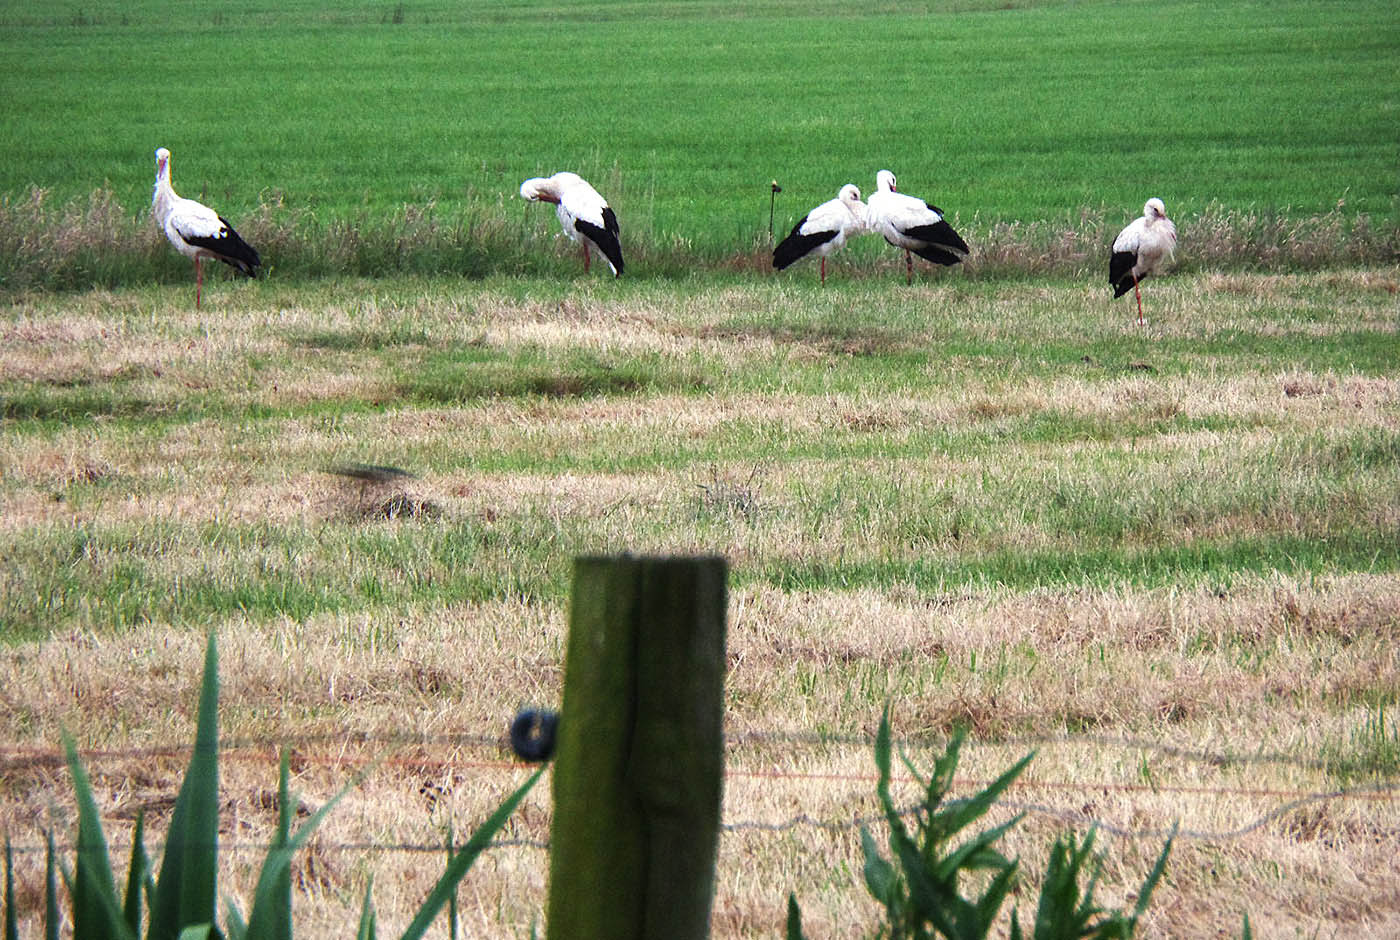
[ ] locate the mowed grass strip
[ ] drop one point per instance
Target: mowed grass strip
(176, 468)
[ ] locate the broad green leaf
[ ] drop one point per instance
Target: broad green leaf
(463, 860)
(185, 891)
(880, 877)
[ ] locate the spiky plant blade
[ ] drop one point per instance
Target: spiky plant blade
(95, 909)
(463, 860)
(271, 916)
(235, 927)
(186, 888)
(367, 929)
(452, 899)
(197, 932)
(51, 917)
(136, 875)
(794, 919)
(1154, 876)
(11, 918)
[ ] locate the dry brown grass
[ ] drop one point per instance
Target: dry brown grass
(1204, 702)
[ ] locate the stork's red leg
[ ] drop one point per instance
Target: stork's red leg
(587, 259)
(908, 267)
(823, 270)
(1137, 293)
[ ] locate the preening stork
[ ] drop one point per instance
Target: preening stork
(197, 231)
(912, 224)
(823, 230)
(1140, 249)
(584, 215)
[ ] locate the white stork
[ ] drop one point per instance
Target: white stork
(912, 224)
(584, 215)
(823, 230)
(1140, 249)
(196, 230)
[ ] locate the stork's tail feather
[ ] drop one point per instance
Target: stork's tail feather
(1120, 272)
(230, 248)
(942, 245)
(797, 246)
(605, 238)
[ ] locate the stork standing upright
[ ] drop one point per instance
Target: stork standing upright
(910, 223)
(823, 230)
(584, 215)
(1140, 249)
(197, 231)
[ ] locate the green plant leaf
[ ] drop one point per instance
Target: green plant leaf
(197, 932)
(136, 875)
(185, 891)
(235, 927)
(95, 909)
(1153, 877)
(270, 918)
(367, 930)
(51, 918)
(463, 860)
(11, 918)
(880, 877)
(794, 919)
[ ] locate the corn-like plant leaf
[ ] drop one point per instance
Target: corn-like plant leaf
(462, 861)
(367, 929)
(1248, 933)
(11, 918)
(197, 932)
(136, 874)
(271, 916)
(794, 919)
(51, 918)
(96, 912)
(186, 889)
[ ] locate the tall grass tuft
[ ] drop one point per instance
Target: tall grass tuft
(97, 242)
(182, 900)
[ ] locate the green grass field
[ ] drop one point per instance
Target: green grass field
(683, 112)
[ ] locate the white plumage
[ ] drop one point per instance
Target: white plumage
(584, 215)
(1140, 249)
(197, 231)
(912, 224)
(823, 230)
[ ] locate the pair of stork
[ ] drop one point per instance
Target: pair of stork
(907, 222)
(919, 228)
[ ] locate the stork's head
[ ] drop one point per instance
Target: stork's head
(539, 188)
(884, 181)
(849, 193)
(1155, 209)
(162, 161)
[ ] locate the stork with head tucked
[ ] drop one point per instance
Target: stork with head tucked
(584, 215)
(1140, 249)
(910, 223)
(197, 231)
(823, 230)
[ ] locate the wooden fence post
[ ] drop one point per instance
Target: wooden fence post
(638, 774)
